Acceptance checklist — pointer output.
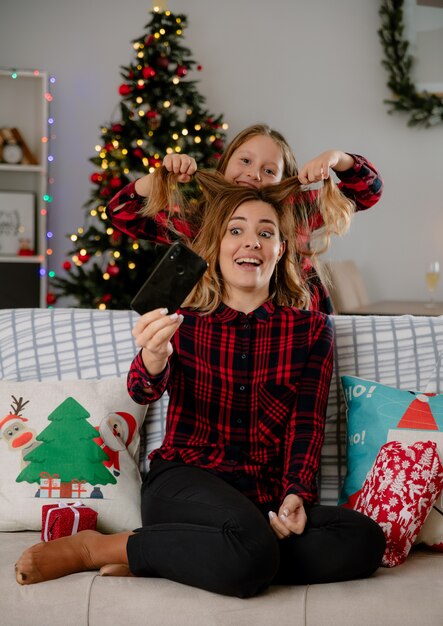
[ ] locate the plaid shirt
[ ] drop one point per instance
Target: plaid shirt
(361, 183)
(248, 396)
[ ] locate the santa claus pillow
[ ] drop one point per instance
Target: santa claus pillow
(69, 441)
(377, 414)
(399, 492)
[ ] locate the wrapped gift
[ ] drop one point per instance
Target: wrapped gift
(62, 520)
(78, 488)
(49, 485)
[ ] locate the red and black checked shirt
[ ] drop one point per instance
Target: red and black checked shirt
(361, 183)
(248, 396)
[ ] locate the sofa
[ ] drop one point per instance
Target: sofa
(70, 345)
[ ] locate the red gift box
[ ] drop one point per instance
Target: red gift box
(62, 520)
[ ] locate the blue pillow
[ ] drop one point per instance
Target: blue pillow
(376, 414)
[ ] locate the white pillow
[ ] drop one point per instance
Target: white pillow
(59, 443)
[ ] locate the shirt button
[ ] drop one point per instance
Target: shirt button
(243, 356)
(242, 387)
(132, 196)
(239, 421)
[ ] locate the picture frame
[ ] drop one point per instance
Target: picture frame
(17, 223)
(424, 30)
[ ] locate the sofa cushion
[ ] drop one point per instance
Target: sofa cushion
(399, 492)
(68, 441)
(61, 344)
(378, 414)
(403, 352)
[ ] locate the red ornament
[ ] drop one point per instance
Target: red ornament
(105, 192)
(67, 265)
(113, 270)
(96, 178)
(151, 114)
(162, 62)
(138, 153)
(84, 258)
(50, 298)
(149, 40)
(148, 72)
(218, 145)
(124, 89)
(181, 70)
(115, 182)
(116, 128)
(108, 147)
(153, 162)
(106, 298)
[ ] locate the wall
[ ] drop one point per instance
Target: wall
(311, 68)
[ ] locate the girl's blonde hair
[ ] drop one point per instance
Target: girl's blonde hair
(289, 161)
(288, 285)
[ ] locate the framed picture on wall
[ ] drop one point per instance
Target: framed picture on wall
(17, 223)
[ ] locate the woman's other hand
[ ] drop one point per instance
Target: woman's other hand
(291, 517)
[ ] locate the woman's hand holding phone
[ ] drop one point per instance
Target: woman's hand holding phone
(153, 332)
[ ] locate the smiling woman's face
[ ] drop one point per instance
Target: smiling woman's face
(250, 249)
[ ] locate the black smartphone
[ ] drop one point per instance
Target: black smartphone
(171, 281)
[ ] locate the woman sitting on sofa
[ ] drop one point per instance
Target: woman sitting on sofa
(229, 503)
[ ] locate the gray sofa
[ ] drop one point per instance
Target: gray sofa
(74, 343)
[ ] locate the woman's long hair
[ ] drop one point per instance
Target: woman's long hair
(288, 286)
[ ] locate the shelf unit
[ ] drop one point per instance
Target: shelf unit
(24, 104)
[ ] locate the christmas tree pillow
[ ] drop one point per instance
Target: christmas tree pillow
(399, 492)
(69, 441)
(377, 414)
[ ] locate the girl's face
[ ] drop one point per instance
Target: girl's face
(249, 251)
(257, 162)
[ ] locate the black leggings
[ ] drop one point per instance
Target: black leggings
(201, 531)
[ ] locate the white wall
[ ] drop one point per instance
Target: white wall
(310, 68)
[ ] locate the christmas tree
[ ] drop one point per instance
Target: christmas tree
(161, 112)
(68, 449)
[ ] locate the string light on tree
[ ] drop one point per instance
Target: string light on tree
(161, 112)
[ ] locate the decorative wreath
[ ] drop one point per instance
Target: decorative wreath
(426, 109)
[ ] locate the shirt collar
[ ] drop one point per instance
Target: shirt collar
(225, 314)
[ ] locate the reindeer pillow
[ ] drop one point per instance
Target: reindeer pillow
(69, 441)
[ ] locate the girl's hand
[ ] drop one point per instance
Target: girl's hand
(291, 518)
(153, 332)
(182, 165)
(318, 169)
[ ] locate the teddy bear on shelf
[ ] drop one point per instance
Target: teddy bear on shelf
(25, 248)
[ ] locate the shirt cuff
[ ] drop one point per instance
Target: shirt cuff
(158, 382)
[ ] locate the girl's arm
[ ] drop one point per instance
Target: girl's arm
(359, 179)
(123, 211)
